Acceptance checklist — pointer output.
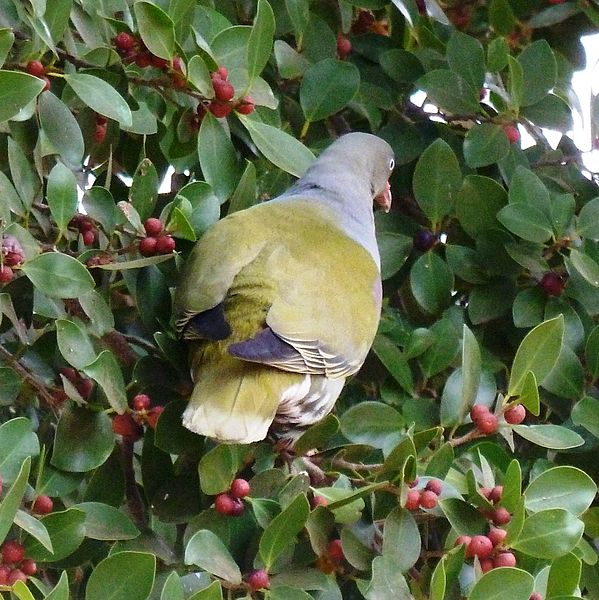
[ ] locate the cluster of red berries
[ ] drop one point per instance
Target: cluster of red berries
(129, 425)
(15, 567)
(428, 497)
(513, 134)
(100, 131)
(84, 385)
(37, 69)
(223, 103)
(499, 515)
(552, 283)
(86, 227)
(11, 255)
(485, 421)
(343, 46)
(230, 503)
(489, 549)
(155, 242)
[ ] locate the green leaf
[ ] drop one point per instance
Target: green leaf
(17, 442)
(327, 87)
(173, 588)
(61, 128)
(566, 379)
(7, 38)
(539, 69)
(24, 177)
(402, 66)
(394, 361)
(549, 534)
(217, 158)
(199, 76)
(471, 368)
(260, 42)
(501, 17)
(99, 204)
(17, 90)
(61, 590)
(83, 441)
(538, 352)
(387, 582)
(74, 344)
(549, 436)
(299, 14)
(477, 203)
(156, 28)
(100, 96)
(466, 57)
(449, 91)
(560, 487)
(66, 531)
(497, 54)
(13, 498)
(586, 413)
(10, 386)
(526, 221)
(317, 435)
(122, 576)
(33, 527)
(588, 220)
(58, 275)
(529, 394)
(282, 149)
(213, 592)
(485, 144)
(206, 550)
(104, 522)
(504, 583)
(144, 189)
(437, 178)
(282, 530)
(564, 576)
(463, 517)
(105, 370)
(586, 266)
(394, 248)
(401, 540)
(372, 423)
(218, 468)
(431, 282)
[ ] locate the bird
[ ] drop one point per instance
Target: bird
(281, 302)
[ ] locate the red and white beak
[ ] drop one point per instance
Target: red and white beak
(384, 198)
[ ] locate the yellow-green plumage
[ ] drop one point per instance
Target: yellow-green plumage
(286, 265)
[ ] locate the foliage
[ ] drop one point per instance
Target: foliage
(490, 261)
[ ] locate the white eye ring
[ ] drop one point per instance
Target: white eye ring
(391, 164)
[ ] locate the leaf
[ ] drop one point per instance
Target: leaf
(282, 149)
(564, 576)
(13, 498)
(33, 527)
(10, 386)
(122, 576)
(372, 423)
(100, 96)
(17, 90)
(218, 468)
(206, 550)
(538, 352)
(217, 158)
(437, 178)
(7, 38)
(560, 487)
(106, 371)
(526, 221)
(586, 413)
(485, 144)
(61, 128)
(431, 282)
(199, 76)
(539, 68)
(549, 436)
(588, 220)
(213, 592)
(282, 530)
(299, 14)
(58, 275)
(387, 582)
(261, 38)
(394, 361)
(449, 91)
(104, 522)
(144, 189)
(83, 440)
(504, 583)
(173, 588)
(74, 344)
(24, 177)
(327, 87)
(466, 57)
(401, 541)
(586, 266)
(463, 517)
(549, 534)
(61, 590)
(156, 28)
(17, 442)
(529, 394)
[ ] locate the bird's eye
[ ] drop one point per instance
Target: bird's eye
(391, 164)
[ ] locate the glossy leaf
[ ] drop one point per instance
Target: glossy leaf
(261, 39)
(401, 541)
(549, 436)
(106, 372)
(504, 583)
(17, 442)
(485, 144)
(13, 498)
(431, 283)
(208, 552)
(74, 343)
(17, 90)
(156, 29)
(66, 531)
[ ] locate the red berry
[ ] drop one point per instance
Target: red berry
(85, 387)
(143, 60)
(463, 539)
(435, 486)
(159, 63)
(515, 415)
(238, 508)
(240, 488)
(43, 505)
(486, 565)
(89, 237)
(424, 240)
(258, 580)
(513, 135)
(223, 72)
(501, 516)
(125, 425)
(536, 596)
(481, 546)
(4, 573)
(224, 504)
(497, 535)
(413, 484)
(335, 551)
(152, 416)
(246, 106)
(165, 244)
(12, 259)
(343, 46)
(319, 501)
(141, 402)
(99, 133)
(6, 274)
(552, 284)
(178, 64)
(412, 500)
(487, 424)
(147, 246)
(36, 68)
(478, 411)
(124, 41)
(223, 90)
(504, 559)
(556, 1)
(29, 567)
(153, 226)
(16, 575)
(86, 225)
(219, 109)
(496, 493)
(428, 499)
(12, 552)
(47, 85)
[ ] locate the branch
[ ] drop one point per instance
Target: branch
(468, 437)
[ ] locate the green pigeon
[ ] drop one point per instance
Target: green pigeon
(281, 302)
